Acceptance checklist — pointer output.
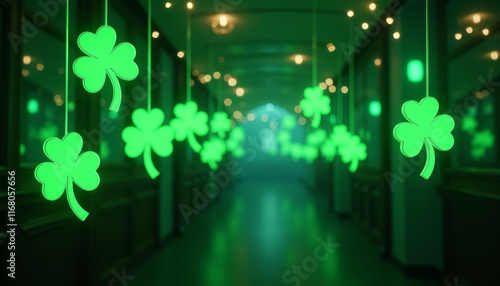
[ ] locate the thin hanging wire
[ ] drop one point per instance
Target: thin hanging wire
(149, 54)
(340, 107)
(351, 79)
(427, 87)
(106, 12)
(66, 76)
(188, 56)
(314, 45)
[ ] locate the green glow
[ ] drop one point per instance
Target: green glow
(113, 115)
(188, 123)
(316, 138)
(328, 150)
(220, 124)
(102, 59)
(480, 142)
(148, 135)
(309, 153)
(22, 149)
(213, 151)
(68, 167)
(289, 122)
(424, 129)
(315, 104)
(105, 151)
(469, 124)
(296, 151)
(340, 135)
(352, 151)
(48, 130)
(32, 106)
(375, 108)
(415, 71)
(233, 143)
(71, 106)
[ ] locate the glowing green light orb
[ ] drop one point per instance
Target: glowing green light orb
(415, 71)
(32, 106)
(375, 108)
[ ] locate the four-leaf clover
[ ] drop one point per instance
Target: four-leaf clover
(424, 129)
(149, 134)
(188, 122)
(315, 104)
(220, 124)
(104, 58)
(68, 166)
(213, 151)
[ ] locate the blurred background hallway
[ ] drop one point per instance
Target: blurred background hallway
(249, 142)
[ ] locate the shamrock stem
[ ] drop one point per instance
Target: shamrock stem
(193, 143)
(73, 203)
(117, 91)
(354, 165)
(316, 120)
(431, 160)
(213, 165)
(148, 163)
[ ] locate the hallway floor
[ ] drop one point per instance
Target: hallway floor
(260, 234)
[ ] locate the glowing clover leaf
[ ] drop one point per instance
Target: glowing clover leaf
(315, 104)
(149, 134)
(213, 151)
(328, 150)
(284, 137)
(233, 143)
(316, 138)
(353, 151)
(296, 151)
(289, 122)
(309, 153)
(425, 129)
(480, 142)
(188, 122)
(68, 166)
(220, 124)
(340, 135)
(469, 124)
(104, 58)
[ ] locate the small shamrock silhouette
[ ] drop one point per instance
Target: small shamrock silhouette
(339, 134)
(469, 124)
(353, 151)
(103, 58)
(328, 149)
(309, 153)
(284, 138)
(68, 166)
(296, 151)
(188, 122)
(315, 104)
(233, 143)
(289, 122)
(213, 151)
(220, 124)
(480, 142)
(424, 129)
(316, 138)
(148, 135)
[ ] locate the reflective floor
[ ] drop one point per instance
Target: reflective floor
(270, 234)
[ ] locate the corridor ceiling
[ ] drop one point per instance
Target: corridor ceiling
(267, 35)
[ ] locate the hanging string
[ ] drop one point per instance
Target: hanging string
(314, 45)
(340, 108)
(351, 79)
(66, 75)
(188, 56)
(211, 60)
(427, 89)
(106, 12)
(149, 54)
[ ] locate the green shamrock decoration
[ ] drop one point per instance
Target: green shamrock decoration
(315, 104)
(316, 138)
(233, 143)
(353, 151)
(148, 135)
(213, 151)
(340, 134)
(220, 124)
(469, 124)
(284, 137)
(424, 129)
(296, 151)
(102, 59)
(480, 142)
(188, 123)
(310, 153)
(68, 166)
(289, 122)
(328, 150)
